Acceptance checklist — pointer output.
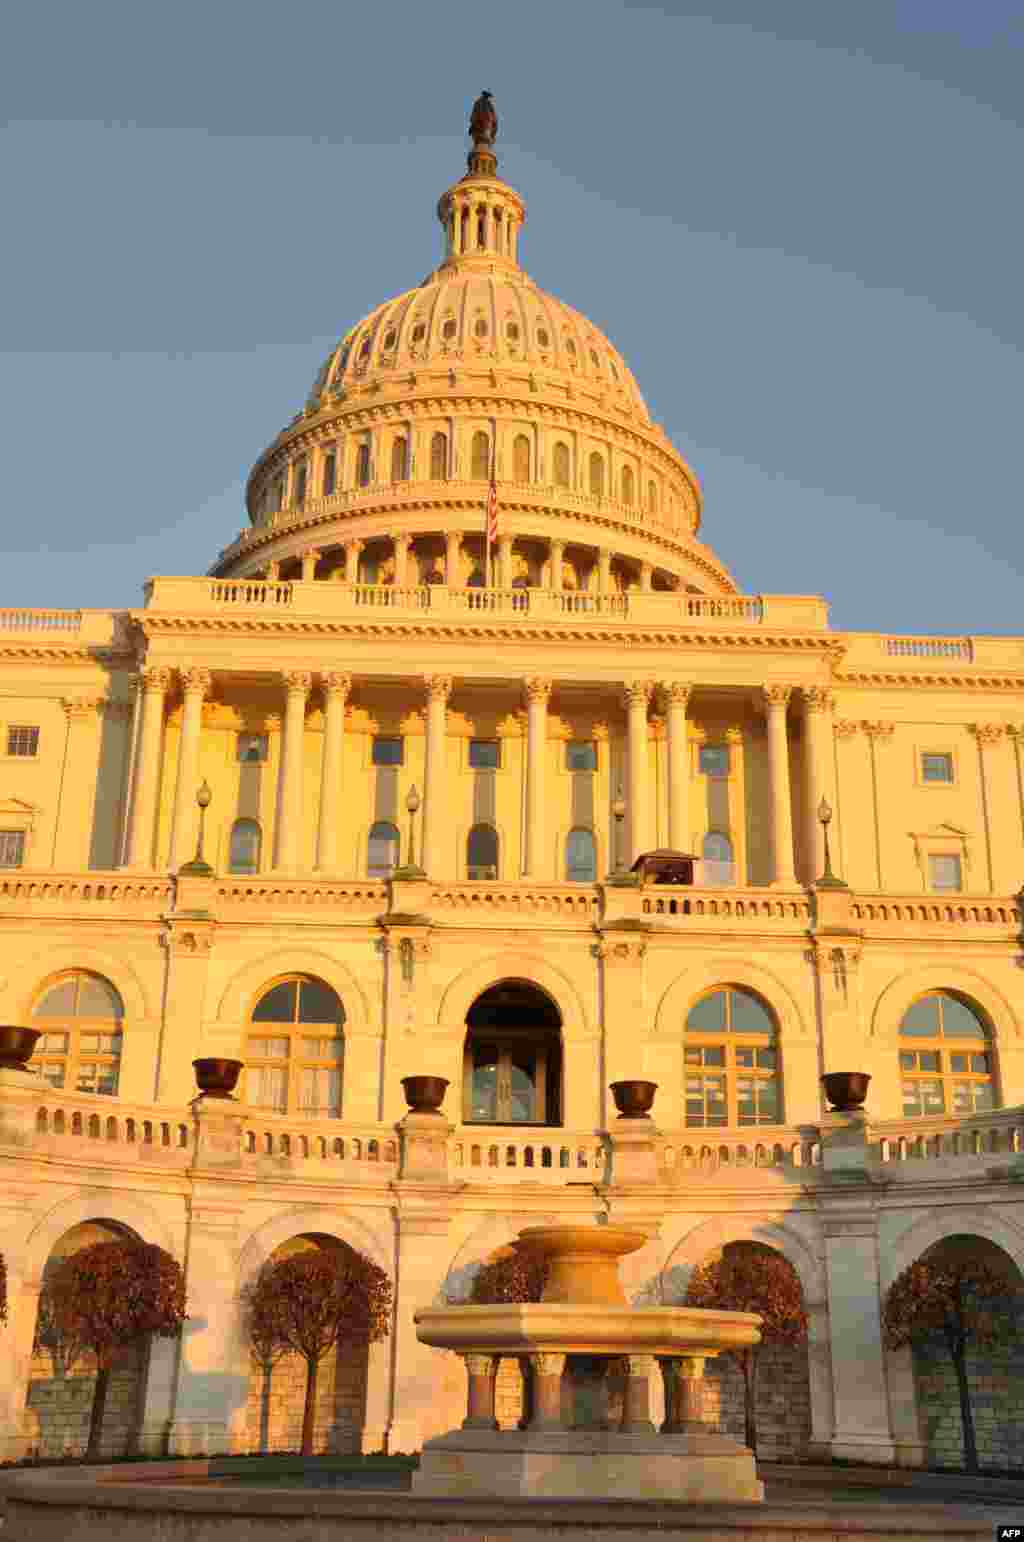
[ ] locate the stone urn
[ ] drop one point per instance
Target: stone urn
(217, 1078)
(846, 1090)
(424, 1094)
(16, 1046)
(633, 1099)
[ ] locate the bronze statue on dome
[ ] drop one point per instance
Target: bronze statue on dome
(483, 120)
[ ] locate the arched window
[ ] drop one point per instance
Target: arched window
(294, 1049)
(731, 1061)
(570, 348)
(595, 361)
(301, 478)
(627, 485)
(438, 457)
(399, 459)
(543, 339)
(580, 857)
(560, 465)
(512, 331)
(480, 327)
(244, 850)
(382, 849)
(948, 1068)
(330, 474)
(362, 465)
(390, 338)
(419, 332)
(716, 851)
(596, 474)
(521, 458)
(481, 457)
(481, 227)
(448, 330)
(652, 497)
(512, 1071)
(482, 852)
(81, 1017)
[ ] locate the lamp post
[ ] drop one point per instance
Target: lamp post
(199, 867)
(410, 869)
(828, 879)
(619, 874)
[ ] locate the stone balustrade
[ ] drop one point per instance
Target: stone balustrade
(477, 1155)
(939, 1137)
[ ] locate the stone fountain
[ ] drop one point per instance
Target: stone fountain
(583, 1311)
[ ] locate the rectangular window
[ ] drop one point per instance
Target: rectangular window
(12, 848)
(944, 873)
(713, 760)
(252, 749)
(484, 754)
(330, 474)
(936, 768)
(22, 741)
(580, 755)
(387, 752)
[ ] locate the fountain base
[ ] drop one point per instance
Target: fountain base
(704, 1468)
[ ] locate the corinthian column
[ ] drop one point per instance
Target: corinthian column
(336, 689)
(637, 695)
(195, 684)
(537, 692)
(288, 832)
(677, 694)
(819, 744)
(143, 815)
(438, 688)
(776, 700)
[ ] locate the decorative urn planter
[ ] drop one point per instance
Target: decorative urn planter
(424, 1094)
(217, 1078)
(633, 1099)
(846, 1090)
(16, 1046)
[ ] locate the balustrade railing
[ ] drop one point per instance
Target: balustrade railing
(936, 1135)
(319, 1140)
(19, 620)
(550, 1156)
(700, 1154)
(960, 648)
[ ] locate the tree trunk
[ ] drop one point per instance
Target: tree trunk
(309, 1411)
(966, 1412)
(99, 1403)
(748, 1364)
(268, 1371)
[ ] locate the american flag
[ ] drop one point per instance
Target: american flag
(492, 510)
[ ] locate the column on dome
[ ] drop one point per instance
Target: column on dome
(646, 572)
(452, 549)
(438, 689)
(401, 550)
(676, 694)
(776, 699)
(537, 692)
(556, 554)
(505, 559)
(143, 813)
(637, 696)
(818, 765)
(336, 692)
(195, 684)
(288, 831)
(604, 570)
(352, 550)
(310, 558)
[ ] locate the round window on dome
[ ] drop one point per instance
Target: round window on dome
(390, 338)
(480, 327)
(542, 337)
(448, 330)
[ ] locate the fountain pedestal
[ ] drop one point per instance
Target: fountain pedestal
(583, 1312)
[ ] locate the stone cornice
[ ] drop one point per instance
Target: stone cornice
(912, 679)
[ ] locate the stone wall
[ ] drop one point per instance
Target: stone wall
(996, 1382)
(783, 1401)
(273, 1413)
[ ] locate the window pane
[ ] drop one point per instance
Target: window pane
(22, 741)
(59, 1001)
(714, 1054)
(52, 1044)
(928, 1060)
(944, 872)
(984, 1097)
(937, 768)
(744, 1057)
(963, 1098)
(320, 1093)
(53, 1075)
(484, 1099)
(912, 1105)
(12, 848)
(768, 1101)
(268, 1087)
(580, 755)
(707, 1015)
(97, 999)
(482, 852)
(982, 1064)
(278, 1005)
(580, 857)
(767, 1060)
(958, 1021)
(908, 1061)
(273, 1049)
(693, 1055)
(748, 1014)
(931, 1093)
(958, 1063)
(713, 760)
(483, 754)
(322, 1049)
(921, 1020)
(387, 752)
(318, 1003)
(523, 1072)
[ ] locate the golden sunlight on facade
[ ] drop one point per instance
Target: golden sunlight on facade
(432, 761)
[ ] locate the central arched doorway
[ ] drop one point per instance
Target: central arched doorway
(512, 1062)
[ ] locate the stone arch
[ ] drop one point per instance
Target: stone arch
(30, 972)
(724, 969)
(894, 999)
(707, 1236)
(495, 1232)
(306, 1219)
(238, 994)
(460, 993)
(949, 1221)
(94, 1205)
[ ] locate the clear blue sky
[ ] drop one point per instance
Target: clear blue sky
(800, 220)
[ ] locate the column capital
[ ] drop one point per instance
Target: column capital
(271, 572)
(195, 681)
(438, 687)
(480, 1365)
(676, 693)
(847, 727)
(987, 733)
(297, 681)
(547, 1363)
(79, 708)
(537, 689)
(336, 684)
(157, 678)
(873, 730)
(311, 554)
(817, 698)
(637, 693)
(777, 695)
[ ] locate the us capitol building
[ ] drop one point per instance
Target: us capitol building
(429, 765)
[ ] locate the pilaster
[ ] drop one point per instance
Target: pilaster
(187, 939)
(422, 1242)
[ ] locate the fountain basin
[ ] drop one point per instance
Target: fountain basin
(518, 1328)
